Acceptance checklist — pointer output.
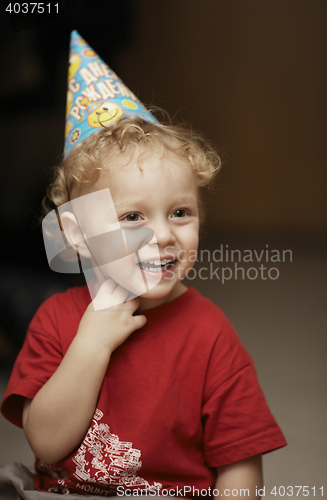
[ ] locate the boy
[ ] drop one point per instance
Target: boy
(146, 388)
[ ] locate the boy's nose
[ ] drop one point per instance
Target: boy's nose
(163, 233)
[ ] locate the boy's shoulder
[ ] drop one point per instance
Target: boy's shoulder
(77, 295)
(59, 315)
(193, 314)
(74, 298)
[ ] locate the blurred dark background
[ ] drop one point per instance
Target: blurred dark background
(252, 76)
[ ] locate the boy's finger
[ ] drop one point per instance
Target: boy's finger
(139, 321)
(119, 295)
(133, 303)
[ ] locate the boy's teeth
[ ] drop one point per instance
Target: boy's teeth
(160, 264)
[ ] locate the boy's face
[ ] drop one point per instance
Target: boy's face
(163, 197)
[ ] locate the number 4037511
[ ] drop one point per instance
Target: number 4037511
(297, 491)
(32, 8)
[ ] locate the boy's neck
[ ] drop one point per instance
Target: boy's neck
(147, 304)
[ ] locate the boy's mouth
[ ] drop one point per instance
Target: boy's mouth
(156, 265)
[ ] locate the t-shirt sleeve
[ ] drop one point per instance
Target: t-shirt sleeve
(237, 420)
(38, 359)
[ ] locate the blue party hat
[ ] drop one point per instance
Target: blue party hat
(96, 96)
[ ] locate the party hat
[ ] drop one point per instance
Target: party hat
(96, 97)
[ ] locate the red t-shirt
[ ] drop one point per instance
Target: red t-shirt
(179, 399)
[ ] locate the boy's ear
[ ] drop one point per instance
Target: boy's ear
(73, 234)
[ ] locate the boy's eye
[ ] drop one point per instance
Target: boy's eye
(179, 213)
(132, 217)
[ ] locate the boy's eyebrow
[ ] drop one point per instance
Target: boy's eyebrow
(125, 204)
(190, 198)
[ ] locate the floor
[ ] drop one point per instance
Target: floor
(282, 321)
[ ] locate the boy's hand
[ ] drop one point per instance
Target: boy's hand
(109, 327)
(57, 419)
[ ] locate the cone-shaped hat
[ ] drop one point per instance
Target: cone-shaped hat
(96, 97)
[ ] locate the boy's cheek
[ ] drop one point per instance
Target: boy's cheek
(191, 248)
(127, 274)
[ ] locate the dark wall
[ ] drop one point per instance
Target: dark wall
(251, 75)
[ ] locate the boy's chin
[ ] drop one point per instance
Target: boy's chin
(154, 294)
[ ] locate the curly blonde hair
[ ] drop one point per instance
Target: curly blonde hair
(86, 160)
